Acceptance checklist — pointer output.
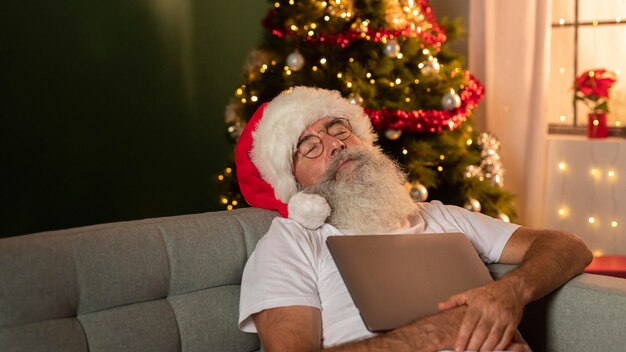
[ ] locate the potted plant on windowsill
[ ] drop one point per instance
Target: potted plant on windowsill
(592, 88)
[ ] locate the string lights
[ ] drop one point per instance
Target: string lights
(585, 191)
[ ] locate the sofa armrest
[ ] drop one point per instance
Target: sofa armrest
(586, 314)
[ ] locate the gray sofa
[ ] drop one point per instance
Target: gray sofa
(171, 284)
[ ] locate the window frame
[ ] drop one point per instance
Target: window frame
(575, 128)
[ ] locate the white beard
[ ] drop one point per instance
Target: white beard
(367, 194)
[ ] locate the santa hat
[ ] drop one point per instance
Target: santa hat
(264, 152)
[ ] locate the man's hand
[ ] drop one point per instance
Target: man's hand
(547, 259)
(493, 313)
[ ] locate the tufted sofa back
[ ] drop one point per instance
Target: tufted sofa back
(164, 284)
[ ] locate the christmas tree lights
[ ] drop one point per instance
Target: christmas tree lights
(391, 58)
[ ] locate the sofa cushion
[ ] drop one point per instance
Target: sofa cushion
(205, 321)
(156, 284)
(147, 326)
(52, 335)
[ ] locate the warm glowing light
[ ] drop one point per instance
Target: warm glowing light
(596, 122)
(234, 202)
(229, 207)
(310, 33)
(368, 75)
(618, 19)
(314, 68)
(442, 157)
(618, 123)
(224, 201)
(469, 142)
(276, 5)
(562, 212)
(417, 81)
(220, 177)
(408, 100)
(372, 81)
(425, 52)
(294, 27)
(349, 84)
(339, 75)
(228, 170)
(613, 223)
(351, 59)
(399, 56)
(562, 118)
(562, 166)
(561, 21)
(611, 173)
(562, 70)
(239, 91)
(594, 23)
(326, 18)
(323, 60)
(254, 98)
(398, 81)
(592, 220)
(597, 253)
(291, 2)
(439, 168)
(594, 172)
(288, 72)
(313, 25)
(404, 151)
(243, 100)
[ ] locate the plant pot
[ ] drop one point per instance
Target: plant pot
(596, 126)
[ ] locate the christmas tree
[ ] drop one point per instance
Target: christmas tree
(390, 57)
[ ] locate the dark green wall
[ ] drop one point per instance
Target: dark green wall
(113, 110)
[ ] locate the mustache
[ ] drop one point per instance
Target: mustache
(361, 156)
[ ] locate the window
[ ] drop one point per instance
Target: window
(586, 34)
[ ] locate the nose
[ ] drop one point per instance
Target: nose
(332, 145)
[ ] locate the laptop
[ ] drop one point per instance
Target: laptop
(397, 279)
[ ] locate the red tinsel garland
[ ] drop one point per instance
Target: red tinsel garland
(429, 38)
(433, 121)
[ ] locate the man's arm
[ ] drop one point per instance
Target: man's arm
(299, 328)
(547, 259)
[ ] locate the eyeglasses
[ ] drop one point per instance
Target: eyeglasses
(311, 146)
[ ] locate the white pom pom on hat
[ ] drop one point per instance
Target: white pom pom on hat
(264, 152)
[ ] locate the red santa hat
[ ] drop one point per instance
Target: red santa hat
(264, 152)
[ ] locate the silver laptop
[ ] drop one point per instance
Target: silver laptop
(396, 279)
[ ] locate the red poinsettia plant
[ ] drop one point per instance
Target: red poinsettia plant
(592, 88)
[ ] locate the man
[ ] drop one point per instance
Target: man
(310, 155)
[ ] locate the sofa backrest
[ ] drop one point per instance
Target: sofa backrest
(164, 284)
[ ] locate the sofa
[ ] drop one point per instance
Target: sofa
(172, 284)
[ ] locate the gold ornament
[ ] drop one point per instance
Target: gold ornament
(473, 205)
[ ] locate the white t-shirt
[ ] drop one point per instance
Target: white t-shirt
(292, 266)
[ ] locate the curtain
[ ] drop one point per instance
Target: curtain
(509, 52)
